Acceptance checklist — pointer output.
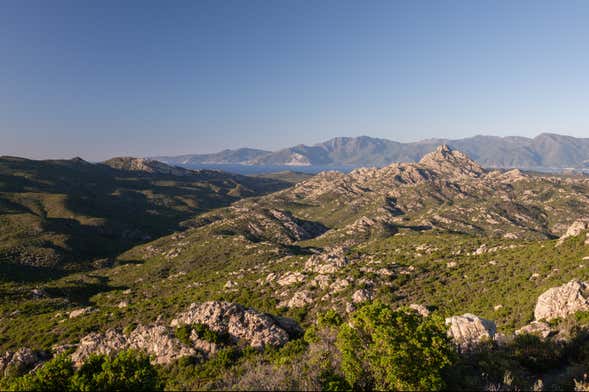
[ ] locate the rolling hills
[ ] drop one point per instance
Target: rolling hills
(59, 213)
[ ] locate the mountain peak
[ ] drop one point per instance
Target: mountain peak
(448, 160)
(145, 165)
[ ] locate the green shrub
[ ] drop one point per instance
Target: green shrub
(225, 358)
(329, 319)
(398, 350)
(54, 375)
(204, 332)
(127, 371)
(183, 334)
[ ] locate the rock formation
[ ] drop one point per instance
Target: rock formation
(468, 330)
(19, 360)
(574, 230)
(241, 323)
(562, 301)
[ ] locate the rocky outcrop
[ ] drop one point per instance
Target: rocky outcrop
(156, 340)
(145, 165)
(159, 341)
(451, 162)
(20, 360)
(468, 330)
(362, 295)
(291, 278)
(538, 328)
(562, 301)
(420, 309)
(240, 323)
(328, 262)
(80, 312)
(578, 226)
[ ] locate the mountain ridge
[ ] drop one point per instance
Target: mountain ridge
(547, 150)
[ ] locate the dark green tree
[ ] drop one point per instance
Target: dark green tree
(387, 349)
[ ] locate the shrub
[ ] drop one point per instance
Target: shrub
(54, 375)
(183, 334)
(127, 371)
(329, 319)
(204, 332)
(400, 350)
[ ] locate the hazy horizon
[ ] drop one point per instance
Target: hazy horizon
(70, 156)
(146, 79)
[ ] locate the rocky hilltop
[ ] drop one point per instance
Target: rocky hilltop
(145, 165)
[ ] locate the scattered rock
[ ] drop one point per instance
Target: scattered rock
(20, 361)
(562, 301)
(451, 264)
(361, 295)
(468, 330)
(299, 299)
(291, 278)
(350, 307)
(38, 293)
(422, 310)
(81, 312)
(123, 304)
(574, 230)
(230, 284)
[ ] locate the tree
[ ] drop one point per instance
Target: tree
(388, 349)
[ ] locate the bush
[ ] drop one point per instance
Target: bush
(183, 334)
(204, 332)
(397, 350)
(54, 375)
(329, 319)
(127, 371)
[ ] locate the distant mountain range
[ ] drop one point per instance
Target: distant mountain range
(544, 151)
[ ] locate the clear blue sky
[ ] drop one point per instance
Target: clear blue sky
(106, 78)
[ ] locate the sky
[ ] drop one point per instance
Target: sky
(99, 79)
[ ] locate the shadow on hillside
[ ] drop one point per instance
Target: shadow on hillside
(80, 291)
(28, 274)
(108, 211)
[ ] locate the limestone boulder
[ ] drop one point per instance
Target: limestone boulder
(469, 330)
(562, 300)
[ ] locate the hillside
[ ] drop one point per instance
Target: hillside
(263, 291)
(546, 151)
(70, 212)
